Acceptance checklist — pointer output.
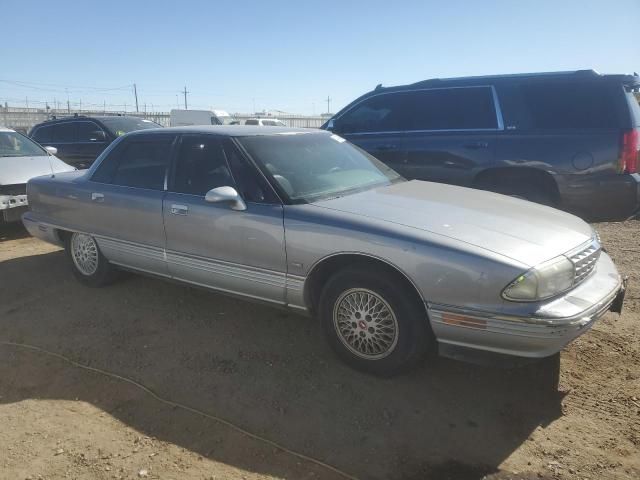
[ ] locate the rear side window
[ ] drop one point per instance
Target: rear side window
(570, 105)
(138, 163)
(43, 135)
(251, 122)
(469, 108)
(380, 113)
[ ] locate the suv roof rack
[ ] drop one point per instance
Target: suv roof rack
(578, 73)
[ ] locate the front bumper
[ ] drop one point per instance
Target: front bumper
(12, 207)
(602, 198)
(539, 332)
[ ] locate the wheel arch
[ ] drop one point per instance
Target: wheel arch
(327, 266)
(507, 174)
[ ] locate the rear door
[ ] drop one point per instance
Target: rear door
(61, 136)
(124, 202)
(377, 124)
(452, 133)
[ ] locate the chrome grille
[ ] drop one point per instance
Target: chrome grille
(584, 261)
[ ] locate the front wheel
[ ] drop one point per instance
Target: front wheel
(87, 262)
(373, 323)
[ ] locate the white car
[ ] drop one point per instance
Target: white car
(265, 122)
(20, 160)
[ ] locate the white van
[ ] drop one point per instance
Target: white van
(182, 118)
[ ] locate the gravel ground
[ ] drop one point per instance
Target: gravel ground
(270, 372)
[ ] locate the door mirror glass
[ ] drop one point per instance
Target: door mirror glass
(331, 125)
(97, 136)
(51, 150)
(226, 195)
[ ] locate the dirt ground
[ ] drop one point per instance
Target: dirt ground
(270, 372)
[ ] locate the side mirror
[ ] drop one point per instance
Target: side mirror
(226, 195)
(97, 136)
(331, 125)
(51, 150)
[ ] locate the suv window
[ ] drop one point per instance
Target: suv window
(201, 165)
(64, 132)
(381, 113)
(546, 105)
(467, 108)
(251, 122)
(89, 132)
(138, 163)
(43, 135)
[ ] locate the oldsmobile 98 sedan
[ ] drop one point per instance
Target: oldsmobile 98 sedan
(393, 269)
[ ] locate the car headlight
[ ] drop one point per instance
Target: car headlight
(543, 281)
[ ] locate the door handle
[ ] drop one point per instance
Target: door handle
(386, 147)
(179, 209)
(476, 145)
(97, 197)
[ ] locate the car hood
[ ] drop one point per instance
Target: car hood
(17, 170)
(523, 231)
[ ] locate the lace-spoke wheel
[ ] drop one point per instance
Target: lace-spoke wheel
(84, 253)
(88, 264)
(365, 323)
(374, 321)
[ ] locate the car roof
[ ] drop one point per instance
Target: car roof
(71, 118)
(574, 75)
(231, 130)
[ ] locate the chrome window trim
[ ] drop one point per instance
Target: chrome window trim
(496, 104)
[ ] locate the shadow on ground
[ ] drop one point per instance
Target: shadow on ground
(12, 231)
(267, 371)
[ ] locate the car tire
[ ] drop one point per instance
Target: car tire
(88, 264)
(372, 323)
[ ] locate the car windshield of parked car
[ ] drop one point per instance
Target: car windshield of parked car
(13, 144)
(121, 125)
(310, 166)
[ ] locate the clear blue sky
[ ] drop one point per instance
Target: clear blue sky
(291, 55)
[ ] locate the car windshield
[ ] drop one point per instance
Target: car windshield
(13, 144)
(311, 166)
(121, 125)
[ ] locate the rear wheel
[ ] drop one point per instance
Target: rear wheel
(372, 324)
(88, 264)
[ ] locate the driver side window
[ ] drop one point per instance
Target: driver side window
(200, 166)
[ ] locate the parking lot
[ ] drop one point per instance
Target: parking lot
(269, 373)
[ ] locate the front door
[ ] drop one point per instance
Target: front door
(377, 125)
(452, 134)
(91, 140)
(210, 244)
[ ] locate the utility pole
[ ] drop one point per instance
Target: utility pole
(26, 99)
(135, 93)
(328, 104)
(185, 97)
(104, 106)
(68, 104)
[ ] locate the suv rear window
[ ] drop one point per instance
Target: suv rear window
(566, 105)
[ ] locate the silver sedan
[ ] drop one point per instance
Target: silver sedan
(393, 269)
